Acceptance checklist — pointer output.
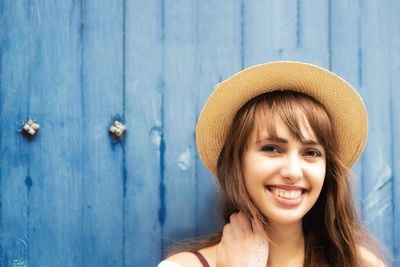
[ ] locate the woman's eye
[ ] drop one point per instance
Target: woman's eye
(312, 153)
(272, 149)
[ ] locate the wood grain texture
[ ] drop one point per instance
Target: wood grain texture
(145, 143)
(271, 29)
(103, 101)
(54, 232)
(345, 59)
(377, 179)
(178, 75)
(72, 196)
(393, 16)
(15, 150)
(218, 54)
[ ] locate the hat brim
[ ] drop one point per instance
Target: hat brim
(340, 99)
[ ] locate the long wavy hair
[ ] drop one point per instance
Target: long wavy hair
(333, 233)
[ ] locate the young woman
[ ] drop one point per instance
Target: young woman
(281, 138)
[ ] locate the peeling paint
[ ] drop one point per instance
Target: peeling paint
(184, 159)
(19, 263)
(155, 106)
(378, 213)
(21, 259)
(377, 202)
(373, 198)
(28, 182)
(155, 136)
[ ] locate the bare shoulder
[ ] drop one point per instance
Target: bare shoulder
(210, 254)
(186, 259)
(189, 259)
(371, 258)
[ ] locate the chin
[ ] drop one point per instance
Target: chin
(284, 217)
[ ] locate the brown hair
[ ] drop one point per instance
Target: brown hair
(332, 231)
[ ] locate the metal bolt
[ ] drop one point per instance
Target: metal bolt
(31, 127)
(117, 129)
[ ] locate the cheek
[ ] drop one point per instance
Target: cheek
(256, 164)
(251, 173)
(254, 170)
(317, 175)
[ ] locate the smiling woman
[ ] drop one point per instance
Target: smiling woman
(284, 168)
(281, 138)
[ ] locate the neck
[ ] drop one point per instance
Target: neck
(287, 245)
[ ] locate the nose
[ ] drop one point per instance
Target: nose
(292, 171)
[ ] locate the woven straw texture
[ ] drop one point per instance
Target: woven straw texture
(339, 98)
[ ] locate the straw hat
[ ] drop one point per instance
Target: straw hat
(339, 98)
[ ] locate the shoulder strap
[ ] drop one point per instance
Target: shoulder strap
(201, 259)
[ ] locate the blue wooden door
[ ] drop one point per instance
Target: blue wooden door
(73, 196)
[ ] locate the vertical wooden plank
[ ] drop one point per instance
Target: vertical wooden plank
(104, 177)
(145, 145)
(293, 30)
(14, 149)
(313, 34)
(344, 39)
(271, 28)
(375, 79)
(55, 164)
(394, 21)
(178, 119)
(345, 60)
(219, 48)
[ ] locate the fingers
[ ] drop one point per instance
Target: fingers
(227, 233)
(258, 227)
(245, 222)
(241, 225)
(237, 229)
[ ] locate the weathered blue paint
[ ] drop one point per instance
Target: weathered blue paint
(144, 81)
(298, 23)
(28, 182)
(73, 196)
(162, 210)
(178, 76)
(54, 162)
(226, 46)
(394, 66)
(377, 198)
(124, 170)
(103, 75)
(14, 150)
(242, 30)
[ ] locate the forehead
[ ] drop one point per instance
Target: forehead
(274, 126)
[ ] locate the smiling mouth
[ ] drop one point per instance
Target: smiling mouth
(286, 194)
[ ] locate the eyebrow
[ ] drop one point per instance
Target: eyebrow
(284, 141)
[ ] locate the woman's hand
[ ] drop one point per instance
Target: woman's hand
(244, 243)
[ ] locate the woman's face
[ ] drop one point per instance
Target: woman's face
(284, 177)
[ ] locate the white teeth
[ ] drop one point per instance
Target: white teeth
(287, 194)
